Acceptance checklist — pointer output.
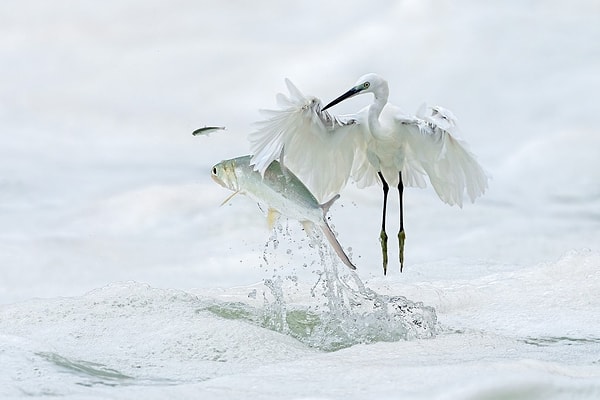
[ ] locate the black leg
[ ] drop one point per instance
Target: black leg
(401, 235)
(383, 236)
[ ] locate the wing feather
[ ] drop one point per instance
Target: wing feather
(452, 169)
(318, 147)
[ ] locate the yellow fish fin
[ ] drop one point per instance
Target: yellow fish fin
(272, 217)
(308, 227)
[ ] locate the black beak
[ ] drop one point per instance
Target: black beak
(343, 97)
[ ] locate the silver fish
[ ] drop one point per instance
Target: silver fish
(207, 129)
(282, 192)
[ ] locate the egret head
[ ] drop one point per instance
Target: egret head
(369, 83)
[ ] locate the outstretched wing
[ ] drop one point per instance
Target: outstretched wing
(452, 169)
(316, 146)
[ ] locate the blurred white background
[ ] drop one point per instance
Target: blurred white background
(102, 181)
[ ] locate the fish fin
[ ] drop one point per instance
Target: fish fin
(325, 206)
(308, 227)
(336, 245)
(229, 198)
(272, 217)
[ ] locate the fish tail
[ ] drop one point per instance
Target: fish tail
(336, 245)
(325, 206)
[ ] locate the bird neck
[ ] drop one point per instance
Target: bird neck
(381, 98)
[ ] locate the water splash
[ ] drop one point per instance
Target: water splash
(341, 311)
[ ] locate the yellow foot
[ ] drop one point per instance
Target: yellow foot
(401, 239)
(383, 240)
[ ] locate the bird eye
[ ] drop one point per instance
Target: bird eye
(366, 85)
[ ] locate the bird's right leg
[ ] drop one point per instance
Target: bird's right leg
(383, 236)
(401, 234)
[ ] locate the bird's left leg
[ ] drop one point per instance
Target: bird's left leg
(401, 235)
(382, 235)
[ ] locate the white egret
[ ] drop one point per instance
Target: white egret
(379, 143)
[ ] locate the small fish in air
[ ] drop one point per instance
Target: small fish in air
(282, 192)
(207, 129)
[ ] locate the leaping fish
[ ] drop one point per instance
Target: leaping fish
(282, 192)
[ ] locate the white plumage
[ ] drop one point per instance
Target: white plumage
(318, 148)
(378, 141)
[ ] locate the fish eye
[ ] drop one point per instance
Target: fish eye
(214, 170)
(366, 85)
